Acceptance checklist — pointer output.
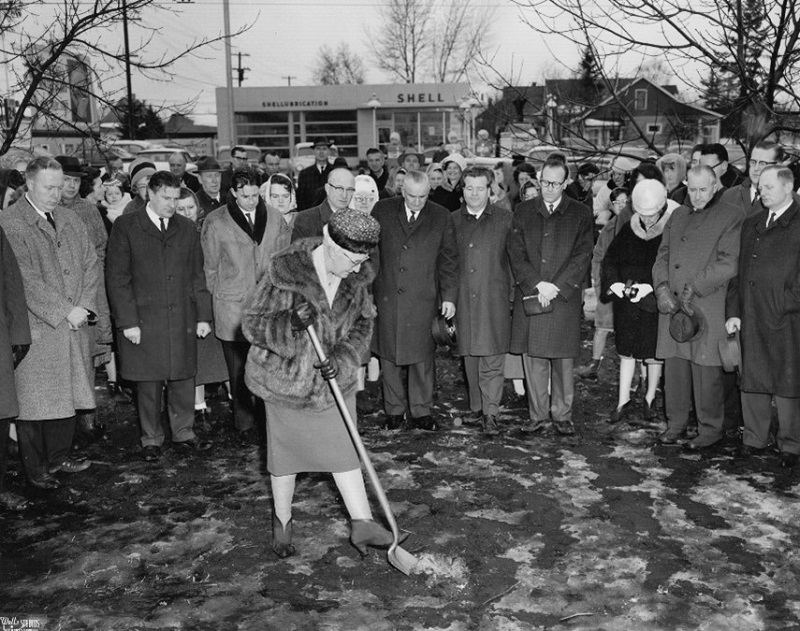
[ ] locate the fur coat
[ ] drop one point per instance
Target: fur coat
(280, 364)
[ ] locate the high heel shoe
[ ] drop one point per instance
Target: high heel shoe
(367, 532)
(282, 538)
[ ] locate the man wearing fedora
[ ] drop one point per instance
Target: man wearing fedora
(763, 303)
(315, 176)
(696, 260)
(209, 197)
(483, 317)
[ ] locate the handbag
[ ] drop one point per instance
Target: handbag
(532, 306)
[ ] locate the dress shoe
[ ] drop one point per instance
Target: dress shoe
(789, 460)
(44, 482)
(427, 422)
(193, 445)
(489, 425)
(88, 428)
(590, 370)
(393, 421)
(68, 465)
(620, 413)
(670, 437)
(747, 451)
(564, 427)
(649, 410)
(282, 538)
(699, 444)
(248, 437)
(531, 427)
(368, 532)
(12, 501)
(151, 453)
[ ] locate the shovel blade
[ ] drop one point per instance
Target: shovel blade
(402, 560)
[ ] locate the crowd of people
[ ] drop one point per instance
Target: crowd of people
(173, 281)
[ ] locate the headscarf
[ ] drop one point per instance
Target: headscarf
(365, 184)
(282, 180)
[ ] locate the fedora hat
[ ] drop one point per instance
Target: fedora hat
(684, 327)
(730, 353)
(321, 141)
(208, 163)
(70, 165)
(443, 331)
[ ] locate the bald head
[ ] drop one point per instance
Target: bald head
(340, 188)
(177, 164)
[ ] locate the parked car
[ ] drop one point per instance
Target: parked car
(134, 146)
(160, 157)
(96, 156)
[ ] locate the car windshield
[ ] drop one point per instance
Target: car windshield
(305, 151)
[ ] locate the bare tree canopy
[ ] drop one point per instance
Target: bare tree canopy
(752, 42)
(60, 57)
(420, 40)
(339, 66)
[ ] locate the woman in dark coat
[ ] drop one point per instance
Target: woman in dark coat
(449, 194)
(627, 280)
(324, 282)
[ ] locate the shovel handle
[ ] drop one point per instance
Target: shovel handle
(362, 452)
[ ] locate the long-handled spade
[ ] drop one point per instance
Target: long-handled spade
(399, 558)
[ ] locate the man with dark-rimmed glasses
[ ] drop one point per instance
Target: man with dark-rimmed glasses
(339, 190)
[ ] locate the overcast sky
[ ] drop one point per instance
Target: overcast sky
(286, 35)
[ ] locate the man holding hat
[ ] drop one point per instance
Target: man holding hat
(209, 172)
(764, 304)
(314, 177)
(696, 260)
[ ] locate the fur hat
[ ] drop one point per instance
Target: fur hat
(141, 170)
(648, 197)
(457, 158)
(354, 231)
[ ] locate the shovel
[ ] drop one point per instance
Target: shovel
(399, 558)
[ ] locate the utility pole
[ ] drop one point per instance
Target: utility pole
(226, 19)
(289, 79)
(128, 81)
(239, 70)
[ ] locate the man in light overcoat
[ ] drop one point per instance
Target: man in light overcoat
(60, 272)
(238, 240)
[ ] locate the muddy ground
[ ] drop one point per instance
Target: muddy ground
(602, 530)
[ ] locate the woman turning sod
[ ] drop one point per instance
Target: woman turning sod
(325, 282)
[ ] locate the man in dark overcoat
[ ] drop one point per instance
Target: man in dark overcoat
(339, 191)
(550, 248)
(160, 303)
(177, 165)
(483, 310)
(697, 258)
(417, 278)
(764, 303)
(60, 272)
(15, 340)
(209, 197)
(314, 177)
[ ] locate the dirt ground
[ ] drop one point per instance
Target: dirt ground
(602, 530)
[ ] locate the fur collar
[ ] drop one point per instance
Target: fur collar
(654, 231)
(293, 270)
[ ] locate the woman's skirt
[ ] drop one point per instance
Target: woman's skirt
(306, 440)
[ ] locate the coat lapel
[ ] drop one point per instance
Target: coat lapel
(148, 227)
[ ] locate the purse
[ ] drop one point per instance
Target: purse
(532, 306)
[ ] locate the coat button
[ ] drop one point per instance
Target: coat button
(69, 300)
(677, 265)
(544, 260)
(405, 247)
(472, 271)
(755, 256)
(399, 291)
(752, 284)
(169, 277)
(472, 245)
(66, 272)
(58, 243)
(402, 269)
(684, 239)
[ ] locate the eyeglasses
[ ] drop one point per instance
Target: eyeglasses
(240, 157)
(619, 202)
(346, 254)
(362, 199)
(762, 163)
(714, 166)
(549, 184)
(341, 189)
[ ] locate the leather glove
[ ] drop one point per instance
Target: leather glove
(666, 301)
(18, 352)
(328, 369)
(303, 316)
(686, 299)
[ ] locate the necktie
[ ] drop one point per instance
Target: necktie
(163, 225)
(551, 208)
(50, 220)
(771, 221)
(413, 218)
(250, 220)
